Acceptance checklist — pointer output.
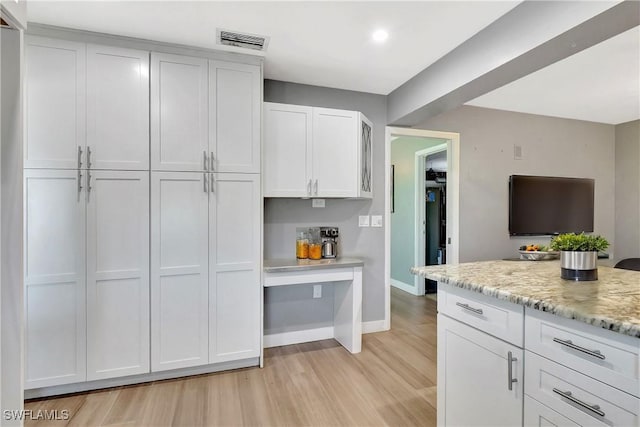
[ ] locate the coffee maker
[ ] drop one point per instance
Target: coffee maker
(329, 239)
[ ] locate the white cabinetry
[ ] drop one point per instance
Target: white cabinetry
(86, 275)
(117, 108)
(316, 152)
(234, 124)
(234, 267)
(55, 103)
(55, 324)
(585, 374)
(179, 122)
(87, 106)
(205, 268)
(476, 370)
(117, 274)
(179, 270)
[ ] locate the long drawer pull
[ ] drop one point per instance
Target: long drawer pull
(510, 379)
(467, 307)
(567, 395)
(568, 343)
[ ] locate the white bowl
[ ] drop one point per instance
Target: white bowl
(538, 255)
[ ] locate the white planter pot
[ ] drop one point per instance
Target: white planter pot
(579, 266)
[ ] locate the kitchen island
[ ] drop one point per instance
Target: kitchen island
(568, 350)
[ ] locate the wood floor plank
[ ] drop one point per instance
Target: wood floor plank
(392, 382)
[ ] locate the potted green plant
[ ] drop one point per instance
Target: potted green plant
(579, 255)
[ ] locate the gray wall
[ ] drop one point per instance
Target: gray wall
(282, 216)
(403, 226)
(550, 146)
(11, 288)
(627, 190)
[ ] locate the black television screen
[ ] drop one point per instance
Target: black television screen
(543, 205)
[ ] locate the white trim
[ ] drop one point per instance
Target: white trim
(297, 337)
(411, 289)
(420, 215)
(453, 201)
(374, 326)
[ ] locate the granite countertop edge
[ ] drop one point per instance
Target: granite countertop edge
(614, 325)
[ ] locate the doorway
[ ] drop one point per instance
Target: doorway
(449, 142)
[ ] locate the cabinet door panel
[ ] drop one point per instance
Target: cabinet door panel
(179, 128)
(473, 375)
(287, 150)
(234, 126)
(118, 108)
(234, 286)
(118, 274)
(54, 278)
(55, 103)
(538, 415)
(179, 270)
(335, 133)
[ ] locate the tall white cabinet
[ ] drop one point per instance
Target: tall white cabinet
(142, 212)
(206, 225)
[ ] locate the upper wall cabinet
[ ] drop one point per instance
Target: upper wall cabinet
(316, 152)
(179, 109)
(234, 111)
(55, 103)
(87, 106)
(118, 108)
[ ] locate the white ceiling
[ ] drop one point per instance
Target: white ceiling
(600, 84)
(319, 43)
(328, 43)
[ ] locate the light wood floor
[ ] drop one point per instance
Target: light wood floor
(392, 382)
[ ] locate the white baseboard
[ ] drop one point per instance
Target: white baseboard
(374, 326)
(404, 287)
(296, 337)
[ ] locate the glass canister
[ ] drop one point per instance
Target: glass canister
(302, 244)
(315, 243)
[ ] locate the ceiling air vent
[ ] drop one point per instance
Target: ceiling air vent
(243, 40)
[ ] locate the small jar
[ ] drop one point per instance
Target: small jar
(315, 244)
(302, 245)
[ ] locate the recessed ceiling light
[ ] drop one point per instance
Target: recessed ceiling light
(380, 36)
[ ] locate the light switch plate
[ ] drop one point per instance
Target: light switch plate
(317, 203)
(317, 291)
(376, 220)
(363, 221)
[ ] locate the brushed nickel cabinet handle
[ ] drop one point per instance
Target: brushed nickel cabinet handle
(309, 187)
(204, 182)
(568, 343)
(88, 157)
(510, 379)
(567, 395)
(79, 157)
(89, 188)
(212, 183)
(469, 308)
(316, 188)
(205, 161)
(79, 183)
(212, 162)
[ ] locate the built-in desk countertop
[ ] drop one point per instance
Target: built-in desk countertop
(346, 276)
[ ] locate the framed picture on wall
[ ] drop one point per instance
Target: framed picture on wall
(393, 188)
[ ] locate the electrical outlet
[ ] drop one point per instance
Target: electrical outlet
(317, 291)
(376, 220)
(317, 203)
(363, 221)
(517, 152)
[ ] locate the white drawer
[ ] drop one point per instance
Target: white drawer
(499, 318)
(538, 415)
(578, 397)
(604, 355)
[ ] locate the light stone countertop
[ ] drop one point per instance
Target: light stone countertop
(611, 302)
(284, 265)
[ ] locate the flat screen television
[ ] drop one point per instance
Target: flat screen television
(544, 205)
